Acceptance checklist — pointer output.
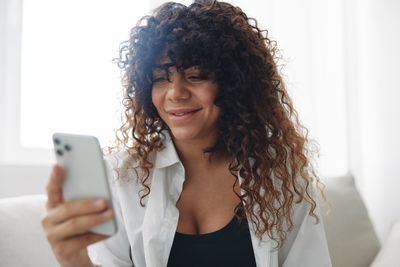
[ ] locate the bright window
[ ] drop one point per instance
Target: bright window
(68, 82)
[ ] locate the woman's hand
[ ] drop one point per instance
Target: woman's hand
(67, 224)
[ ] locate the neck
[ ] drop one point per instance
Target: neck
(195, 160)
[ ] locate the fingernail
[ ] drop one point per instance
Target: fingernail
(57, 169)
(108, 214)
(99, 203)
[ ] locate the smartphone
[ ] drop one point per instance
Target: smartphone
(85, 172)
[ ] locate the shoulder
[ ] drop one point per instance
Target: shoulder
(125, 174)
(305, 244)
(124, 165)
(121, 165)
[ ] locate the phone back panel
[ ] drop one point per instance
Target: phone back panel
(85, 171)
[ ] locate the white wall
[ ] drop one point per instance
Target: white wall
(17, 176)
(3, 42)
(375, 116)
(18, 180)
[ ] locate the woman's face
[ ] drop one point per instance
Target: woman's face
(185, 102)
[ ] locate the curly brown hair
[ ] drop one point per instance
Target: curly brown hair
(258, 125)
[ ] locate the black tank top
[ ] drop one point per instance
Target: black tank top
(230, 246)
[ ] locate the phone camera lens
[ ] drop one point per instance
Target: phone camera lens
(67, 147)
(57, 141)
(59, 152)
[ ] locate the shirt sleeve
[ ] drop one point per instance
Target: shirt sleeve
(114, 251)
(305, 245)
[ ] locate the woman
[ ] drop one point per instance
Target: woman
(211, 164)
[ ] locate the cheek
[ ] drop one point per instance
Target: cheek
(208, 100)
(208, 95)
(156, 98)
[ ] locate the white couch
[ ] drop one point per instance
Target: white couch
(351, 237)
(22, 240)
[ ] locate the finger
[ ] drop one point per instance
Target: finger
(77, 207)
(54, 187)
(77, 226)
(69, 247)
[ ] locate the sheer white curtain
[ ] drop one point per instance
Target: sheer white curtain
(311, 37)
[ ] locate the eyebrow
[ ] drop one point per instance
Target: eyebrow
(165, 65)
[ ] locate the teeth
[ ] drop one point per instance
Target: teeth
(180, 114)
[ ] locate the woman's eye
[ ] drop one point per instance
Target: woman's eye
(195, 78)
(159, 79)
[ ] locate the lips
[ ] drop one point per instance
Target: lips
(181, 115)
(180, 112)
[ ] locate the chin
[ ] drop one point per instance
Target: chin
(183, 134)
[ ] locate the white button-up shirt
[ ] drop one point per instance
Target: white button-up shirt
(149, 231)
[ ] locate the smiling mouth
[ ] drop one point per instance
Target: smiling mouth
(182, 113)
(182, 116)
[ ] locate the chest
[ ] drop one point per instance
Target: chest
(151, 229)
(207, 203)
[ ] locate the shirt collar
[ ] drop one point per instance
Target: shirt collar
(168, 155)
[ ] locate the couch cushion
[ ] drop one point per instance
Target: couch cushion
(351, 237)
(23, 242)
(389, 255)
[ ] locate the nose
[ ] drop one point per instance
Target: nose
(177, 89)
